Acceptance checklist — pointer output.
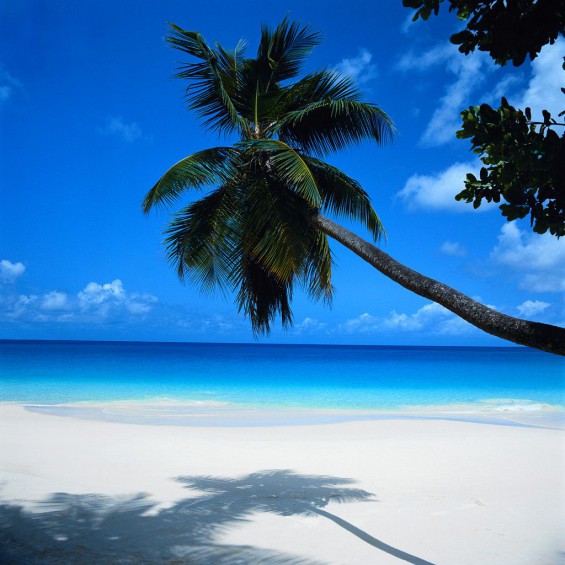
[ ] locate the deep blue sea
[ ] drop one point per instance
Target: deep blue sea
(287, 376)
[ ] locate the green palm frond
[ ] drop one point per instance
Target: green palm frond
(207, 167)
(285, 162)
(202, 239)
(317, 276)
(277, 220)
(261, 297)
(282, 243)
(331, 125)
(318, 86)
(231, 62)
(282, 51)
(344, 196)
(214, 80)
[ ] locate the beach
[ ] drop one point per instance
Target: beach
(390, 490)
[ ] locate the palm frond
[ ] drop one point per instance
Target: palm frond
(330, 125)
(190, 42)
(262, 297)
(289, 165)
(231, 61)
(280, 249)
(287, 245)
(208, 167)
(202, 239)
(317, 277)
(282, 51)
(275, 223)
(214, 81)
(318, 86)
(344, 196)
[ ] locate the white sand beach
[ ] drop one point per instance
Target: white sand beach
(382, 491)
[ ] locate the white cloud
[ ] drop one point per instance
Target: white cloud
(365, 323)
(140, 303)
(105, 300)
(8, 84)
(96, 303)
(469, 71)
(430, 318)
(20, 307)
(453, 249)
(446, 120)
(9, 271)
(116, 126)
(55, 300)
(538, 260)
(544, 88)
(425, 60)
(95, 294)
(437, 191)
(408, 23)
(532, 307)
(110, 303)
(309, 325)
(359, 68)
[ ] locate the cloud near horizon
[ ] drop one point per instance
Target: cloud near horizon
(431, 318)
(101, 305)
(95, 304)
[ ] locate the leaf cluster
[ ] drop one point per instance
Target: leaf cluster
(524, 165)
(509, 30)
(252, 234)
(524, 159)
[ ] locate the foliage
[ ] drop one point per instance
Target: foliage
(507, 30)
(251, 234)
(524, 165)
(524, 160)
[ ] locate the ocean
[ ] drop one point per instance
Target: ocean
(352, 378)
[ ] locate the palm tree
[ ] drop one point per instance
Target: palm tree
(260, 232)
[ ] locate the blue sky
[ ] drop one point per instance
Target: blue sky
(90, 118)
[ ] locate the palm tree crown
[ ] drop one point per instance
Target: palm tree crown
(252, 233)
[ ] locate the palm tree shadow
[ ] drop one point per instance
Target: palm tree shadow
(90, 529)
(286, 493)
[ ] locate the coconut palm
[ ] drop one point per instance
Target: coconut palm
(259, 232)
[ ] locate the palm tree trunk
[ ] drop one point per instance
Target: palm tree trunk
(523, 332)
(362, 535)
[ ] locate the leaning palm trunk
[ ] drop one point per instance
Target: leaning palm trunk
(523, 332)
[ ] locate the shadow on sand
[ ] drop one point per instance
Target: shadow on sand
(91, 529)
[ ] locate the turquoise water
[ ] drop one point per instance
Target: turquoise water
(305, 376)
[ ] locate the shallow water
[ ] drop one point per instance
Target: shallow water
(207, 376)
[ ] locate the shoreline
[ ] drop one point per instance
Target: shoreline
(168, 412)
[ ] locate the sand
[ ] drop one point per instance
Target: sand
(387, 491)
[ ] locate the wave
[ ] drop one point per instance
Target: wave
(487, 405)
